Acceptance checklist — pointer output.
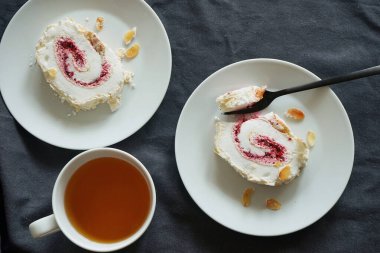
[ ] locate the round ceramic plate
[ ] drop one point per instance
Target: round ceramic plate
(217, 188)
(33, 104)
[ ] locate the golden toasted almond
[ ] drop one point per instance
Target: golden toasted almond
(52, 73)
(277, 164)
(129, 35)
(311, 138)
(295, 113)
(90, 36)
(260, 92)
(100, 48)
(246, 198)
(280, 125)
(285, 173)
(273, 204)
(99, 23)
(133, 51)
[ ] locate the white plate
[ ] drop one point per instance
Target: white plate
(217, 188)
(33, 104)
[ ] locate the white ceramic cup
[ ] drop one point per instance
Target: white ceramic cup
(59, 220)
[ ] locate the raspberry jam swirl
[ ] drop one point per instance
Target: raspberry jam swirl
(270, 151)
(72, 59)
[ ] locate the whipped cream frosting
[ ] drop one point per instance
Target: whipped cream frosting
(86, 71)
(262, 149)
(240, 99)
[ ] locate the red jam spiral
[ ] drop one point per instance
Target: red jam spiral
(273, 151)
(68, 54)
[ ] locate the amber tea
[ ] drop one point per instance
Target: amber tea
(107, 200)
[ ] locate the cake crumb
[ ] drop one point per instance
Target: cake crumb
(72, 113)
(128, 77)
(246, 198)
(114, 103)
(295, 113)
(273, 204)
(311, 138)
(120, 52)
(99, 23)
(32, 61)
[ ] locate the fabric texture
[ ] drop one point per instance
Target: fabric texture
(328, 37)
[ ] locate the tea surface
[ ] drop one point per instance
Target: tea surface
(107, 200)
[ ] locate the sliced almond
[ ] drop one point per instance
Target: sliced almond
(129, 35)
(100, 48)
(52, 73)
(95, 42)
(99, 23)
(273, 204)
(133, 51)
(295, 113)
(285, 173)
(260, 92)
(280, 125)
(311, 138)
(246, 198)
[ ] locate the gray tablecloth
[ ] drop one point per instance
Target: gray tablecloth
(328, 37)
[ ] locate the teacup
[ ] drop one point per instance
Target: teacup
(59, 220)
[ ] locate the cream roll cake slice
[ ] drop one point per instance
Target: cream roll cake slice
(240, 99)
(79, 67)
(261, 149)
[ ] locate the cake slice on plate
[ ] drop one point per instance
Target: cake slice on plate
(79, 67)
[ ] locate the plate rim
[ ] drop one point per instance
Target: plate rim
(105, 144)
(292, 65)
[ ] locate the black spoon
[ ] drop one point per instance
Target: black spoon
(269, 96)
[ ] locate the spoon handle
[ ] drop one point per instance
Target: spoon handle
(333, 80)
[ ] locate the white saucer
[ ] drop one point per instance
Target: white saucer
(32, 103)
(217, 188)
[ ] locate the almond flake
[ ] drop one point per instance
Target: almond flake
(273, 204)
(285, 173)
(260, 92)
(133, 51)
(129, 35)
(99, 23)
(52, 73)
(277, 164)
(311, 138)
(246, 198)
(295, 113)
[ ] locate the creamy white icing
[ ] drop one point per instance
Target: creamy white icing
(240, 99)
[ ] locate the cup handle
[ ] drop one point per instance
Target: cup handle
(44, 226)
